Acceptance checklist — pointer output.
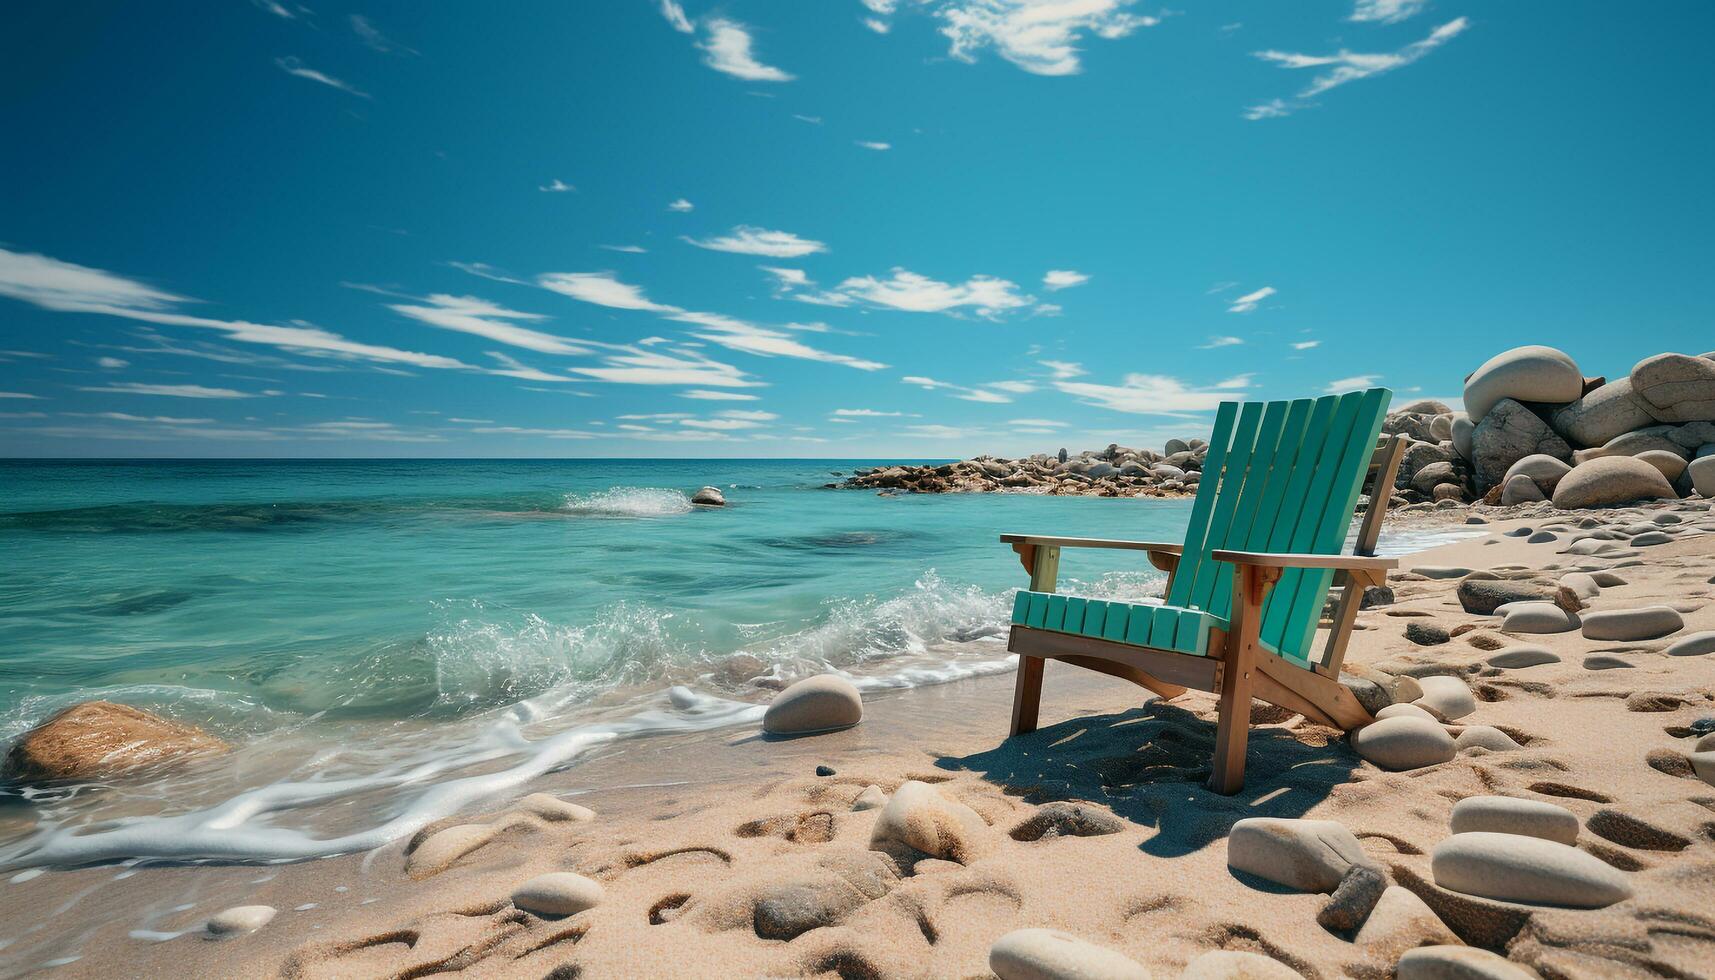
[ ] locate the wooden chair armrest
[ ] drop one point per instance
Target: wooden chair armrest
(1160, 547)
(1349, 563)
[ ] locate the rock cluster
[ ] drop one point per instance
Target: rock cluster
(1117, 471)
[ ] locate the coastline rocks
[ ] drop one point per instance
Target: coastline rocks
(557, 893)
(1447, 696)
(1531, 373)
(1237, 964)
(1402, 743)
(1458, 963)
(100, 738)
(1609, 411)
(1539, 617)
(1511, 868)
(1702, 473)
(1676, 387)
(1509, 433)
(709, 497)
(1609, 480)
(1647, 623)
(823, 703)
(1309, 855)
(1520, 489)
(1481, 597)
(240, 919)
(919, 817)
(1049, 954)
(1508, 815)
(1543, 470)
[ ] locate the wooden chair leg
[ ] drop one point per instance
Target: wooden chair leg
(1026, 695)
(1233, 727)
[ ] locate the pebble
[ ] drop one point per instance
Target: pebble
(919, 816)
(1524, 656)
(1693, 645)
(1649, 538)
(557, 893)
(823, 703)
(1237, 964)
(1446, 696)
(1582, 585)
(1542, 537)
(1458, 963)
(1441, 571)
(1309, 855)
(872, 798)
(1539, 617)
(1605, 662)
(241, 919)
(1485, 737)
(1049, 954)
(1402, 743)
(1647, 623)
(1607, 580)
(1351, 902)
(1512, 868)
(824, 770)
(1509, 815)
(1427, 634)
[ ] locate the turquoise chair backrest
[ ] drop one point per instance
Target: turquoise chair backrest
(1280, 477)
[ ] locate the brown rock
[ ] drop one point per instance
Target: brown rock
(100, 738)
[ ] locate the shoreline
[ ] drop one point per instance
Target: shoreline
(1158, 890)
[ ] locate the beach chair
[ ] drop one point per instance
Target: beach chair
(1246, 591)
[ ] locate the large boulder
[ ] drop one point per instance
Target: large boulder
(1601, 415)
(100, 738)
(815, 704)
(1461, 435)
(1508, 433)
(709, 497)
(1676, 387)
(1526, 374)
(1702, 472)
(1611, 480)
(1520, 489)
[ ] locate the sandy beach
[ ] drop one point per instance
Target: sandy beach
(727, 854)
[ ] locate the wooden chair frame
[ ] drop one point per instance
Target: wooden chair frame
(1238, 667)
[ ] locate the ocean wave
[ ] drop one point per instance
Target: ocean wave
(628, 502)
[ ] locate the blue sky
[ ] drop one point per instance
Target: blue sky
(847, 228)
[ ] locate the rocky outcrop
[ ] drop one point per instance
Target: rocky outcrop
(1676, 387)
(1507, 434)
(1524, 374)
(97, 739)
(1117, 471)
(1611, 480)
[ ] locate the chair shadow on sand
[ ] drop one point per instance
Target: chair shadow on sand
(1148, 764)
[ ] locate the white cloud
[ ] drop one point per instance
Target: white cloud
(1305, 344)
(727, 50)
(681, 205)
(127, 417)
(602, 289)
(628, 249)
(1064, 279)
(293, 65)
(1352, 383)
(1385, 11)
(1349, 66)
(960, 391)
(170, 391)
(1215, 342)
(652, 367)
(1148, 394)
(556, 186)
(276, 8)
(1272, 109)
(20, 394)
(511, 367)
(751, 338)
(749, 240)
(1039, 36)
(877, 25)
(812, 120)
(675, 15)
(1038, 423)
(873, 145)
(468, 314)
(870, 413)
(720, 424)
(1249, 301)
(1016, 387)
(882, 7)
(1061, 370)
(905, 290)
(111, 362)
(376, 40)
(787, 279)
(749, 414)
(699, 394)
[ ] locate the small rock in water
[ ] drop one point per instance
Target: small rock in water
(1511, 868)
(241, 919)
(1458, 963)
(1309, 855)
(1049, 954)
(1447, 696)
(709, 497)
(1237, 964)
(872, 798)
(815, 704)
(1647, 623)
(1401, 743)
(100, 738)
(1351, 902)
(557, 893)
(1509, 815)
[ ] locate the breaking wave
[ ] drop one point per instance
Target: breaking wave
(628, 502)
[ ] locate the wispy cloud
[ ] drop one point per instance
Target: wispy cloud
(727, 50)
(169, 391)
(20, 395)
(1352, 383)
(1249, 301)
(276, 8)
(653, 367)
(750, 240)
(468, 314)
(873, 145)
(556, 186)
(292, 65)
(680, 205)
(1385, 11)
(987, 296)
(961, 392)
(699, 394)
(1152, 394)
(628, 249)
(877, 25)
(376, 40)
(602, 289)
(675, 15)
(1039, 36)
(111, 363)
(1215, 342)
(870, 413)
(1064, 279)
(1305, 344)
(1061, 370)
(1343, 67)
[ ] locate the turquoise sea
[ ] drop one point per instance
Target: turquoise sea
(389, 640)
